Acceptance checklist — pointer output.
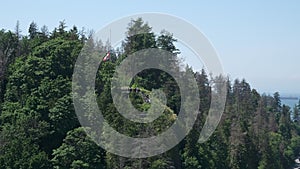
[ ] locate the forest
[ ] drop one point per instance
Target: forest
(40, 129)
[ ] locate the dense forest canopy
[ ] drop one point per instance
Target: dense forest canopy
(39, 127)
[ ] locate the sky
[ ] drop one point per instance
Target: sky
(256, 40)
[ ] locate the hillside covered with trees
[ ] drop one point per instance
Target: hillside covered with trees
(39, 127)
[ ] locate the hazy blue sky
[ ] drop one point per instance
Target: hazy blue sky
(256, 40)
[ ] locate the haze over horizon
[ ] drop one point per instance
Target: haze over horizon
(258, 41)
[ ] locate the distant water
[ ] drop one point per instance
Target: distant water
(290, 102)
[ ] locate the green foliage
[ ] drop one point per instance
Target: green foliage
(8, 52)
(78, 151)
(19, 145)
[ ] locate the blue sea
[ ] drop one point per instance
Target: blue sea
(290, 102)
